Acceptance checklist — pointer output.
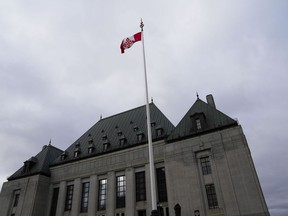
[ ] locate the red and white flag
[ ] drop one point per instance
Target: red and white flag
(129, 41)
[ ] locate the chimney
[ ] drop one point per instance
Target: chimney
(210, 101)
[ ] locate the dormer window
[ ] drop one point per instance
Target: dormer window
(90, 139)
(159, 131)
(63, 156)
(119, 133)
(29, 164)
(77, 150)
(76, 154)
(122, 141)
(104, 138)
(106, 146)
(91, 149)
(198, 124)
(135, 129)
(140, 137)
(153, 124)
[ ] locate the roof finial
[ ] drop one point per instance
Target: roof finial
(101, 117)
(141, 25)
(151, 99)
(50, 142)
(197, 95)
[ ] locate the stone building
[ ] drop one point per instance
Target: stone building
(203, 166)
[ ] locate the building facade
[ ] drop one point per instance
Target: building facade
(203, 166)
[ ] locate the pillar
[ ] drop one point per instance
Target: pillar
(76, 201)
(130, 191)
(61, 198)
(93, 191)
(111, 193)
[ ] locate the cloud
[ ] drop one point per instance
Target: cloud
(61, 68)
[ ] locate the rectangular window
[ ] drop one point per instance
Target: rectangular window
(141, 212)
(167, 211)
(69, 196)
(140, 186)
(16, 199)
(54, 202)
(102, 194)
(198, 124)
(205, 165)
(161, 184)
(85, 197)
(120, 191)
(211, 196)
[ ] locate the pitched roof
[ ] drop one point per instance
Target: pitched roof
(38, 164)
(118, 132)
(211, 119)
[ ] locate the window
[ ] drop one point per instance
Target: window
(76, 154)
(198, 124)
(91, 149)
(159, 131)
(141, 213)
(85, 197)
(122, 141)
(140, 137)
(161, 184)
(205, 165)
(140, 186)
(167, 211)
(16, 199)
(135, 129)
(102, 194)
(63, 155)
(54, 202)
(120, 214)
(90, 139)
(211, 196)
(69, 196)
(120, 191)
(105, 146)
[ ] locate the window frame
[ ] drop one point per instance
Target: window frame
(211, 196)
(69, 197)
(102, 194)
(140, 184)
(121, 191)
(161, 184)
(85, 197)
(205, 164)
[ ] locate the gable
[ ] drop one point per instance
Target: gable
(200, 118)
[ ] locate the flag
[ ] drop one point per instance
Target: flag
(129, 41)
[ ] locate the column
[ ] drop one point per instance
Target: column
(111, 193)
(148, 189)
(93, 191)
(61, 198)
(130, 191)
(76, 197)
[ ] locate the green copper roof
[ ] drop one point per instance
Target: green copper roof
(118, 132)
(209, 118)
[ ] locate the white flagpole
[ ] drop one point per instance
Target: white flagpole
(151, 156)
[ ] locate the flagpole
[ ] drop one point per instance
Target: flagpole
(151, 156)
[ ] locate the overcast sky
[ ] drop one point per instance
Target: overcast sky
(61, 68)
